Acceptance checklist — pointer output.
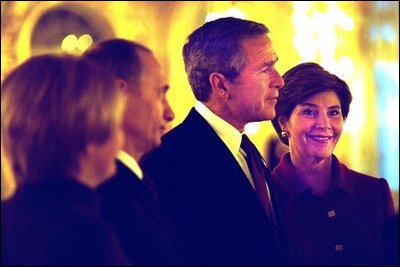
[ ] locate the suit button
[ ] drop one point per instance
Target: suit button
(339, 247)
(331, 213)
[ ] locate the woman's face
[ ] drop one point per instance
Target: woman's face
(315, 126)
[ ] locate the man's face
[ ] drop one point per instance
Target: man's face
(254, 92)
(148, 111)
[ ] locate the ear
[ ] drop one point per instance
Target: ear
(122, 85)
(283, 123)
(219, 84)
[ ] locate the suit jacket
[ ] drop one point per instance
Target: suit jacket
(57, 223)
(389, 254)
(345, 228)
(143, 228)
(215, 210)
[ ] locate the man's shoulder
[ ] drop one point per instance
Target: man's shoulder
(193, 130)
(122, 180)
(192, 140)
(176, 144)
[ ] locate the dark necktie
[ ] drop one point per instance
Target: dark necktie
(255, 164)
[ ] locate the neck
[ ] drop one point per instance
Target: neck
(316, 173)
(225, 113)
(133, 149)
(87, 176)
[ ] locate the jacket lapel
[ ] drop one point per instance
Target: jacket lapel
(140, 193)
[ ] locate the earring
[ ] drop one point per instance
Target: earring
(285, 134)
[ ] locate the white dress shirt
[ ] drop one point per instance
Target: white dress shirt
(231, 137)
(131, 163)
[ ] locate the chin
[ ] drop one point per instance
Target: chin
(270, 115)
(157, 143)
(321, 156)
(111, 172)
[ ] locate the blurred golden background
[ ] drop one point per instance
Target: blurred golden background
(357, 40)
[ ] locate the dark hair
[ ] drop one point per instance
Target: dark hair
(304, 81)
(216, 47)
(119, 56)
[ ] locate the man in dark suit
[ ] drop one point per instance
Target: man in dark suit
(129, 200)
(199, 170)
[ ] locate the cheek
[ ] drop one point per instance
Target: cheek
(156, 112)
(298, 127)
(338, 126)
(298, 131)
(298, 135)
(248, 102)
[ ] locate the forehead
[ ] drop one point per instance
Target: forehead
(151, 68)
(259, 49)
(152, 76)
(322, 97)
(148, 60)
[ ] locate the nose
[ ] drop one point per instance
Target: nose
(169, 114)
(323, 121)
(277, 82)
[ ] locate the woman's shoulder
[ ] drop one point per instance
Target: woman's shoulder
(357, 176)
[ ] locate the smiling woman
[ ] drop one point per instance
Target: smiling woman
(331, 215)
(314, 128)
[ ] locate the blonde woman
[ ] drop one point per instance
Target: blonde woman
(60, 119)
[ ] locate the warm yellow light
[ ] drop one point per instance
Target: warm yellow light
(84, 42)
(235, 12)
(301, 6)
(345, 66)
(316, 38)
(307, 47)
(340, 18)
(252, 128)
(230, 12)
(69, 43)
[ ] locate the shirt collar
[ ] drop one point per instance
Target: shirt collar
(229, 134)
(131, 163)
(293, 186)
(287, 178)
(341, 173)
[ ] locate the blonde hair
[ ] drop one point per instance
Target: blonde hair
(52, 107)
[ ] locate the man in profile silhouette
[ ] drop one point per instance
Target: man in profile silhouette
(129, 199)
(200, 170)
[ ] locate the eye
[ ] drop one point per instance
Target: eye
(308, 112)
(267, 68)
(335, 112)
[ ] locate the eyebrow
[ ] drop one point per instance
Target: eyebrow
(270, 63)
(315, 106)
(267, 64)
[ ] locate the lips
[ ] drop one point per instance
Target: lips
(320, 138)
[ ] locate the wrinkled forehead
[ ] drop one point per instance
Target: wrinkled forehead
(259, 48)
